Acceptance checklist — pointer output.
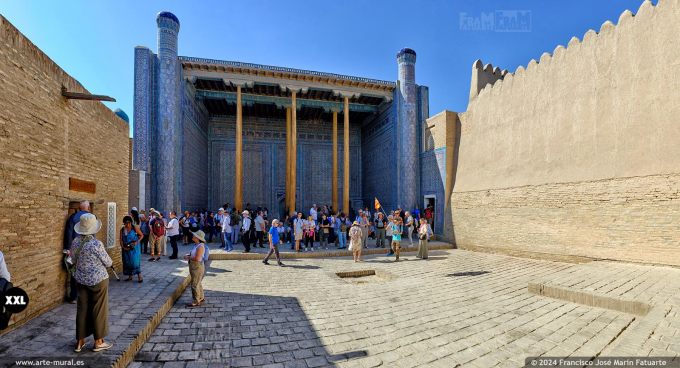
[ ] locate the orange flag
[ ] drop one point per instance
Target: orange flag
(377, 204)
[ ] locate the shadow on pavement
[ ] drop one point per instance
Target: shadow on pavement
(238, 330)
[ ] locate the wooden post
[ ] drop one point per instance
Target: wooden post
(345, 188)
(289, 147)
(293, 161)
(238, 177)
(334, 185)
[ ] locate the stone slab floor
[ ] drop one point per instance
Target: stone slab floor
(458, 308)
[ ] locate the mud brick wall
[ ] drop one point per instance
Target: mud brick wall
(47, 139)
(579, 152)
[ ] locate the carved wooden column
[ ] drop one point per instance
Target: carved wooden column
(238, 177)
(345, 188)
(293, 161)
(334, 185)
(289, 147)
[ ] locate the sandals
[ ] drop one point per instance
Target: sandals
(193, 305)
(102, 347)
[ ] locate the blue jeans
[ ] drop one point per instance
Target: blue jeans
(226, 239)
(234, 234)
(342, 236)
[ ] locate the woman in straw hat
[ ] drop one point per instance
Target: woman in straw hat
(91, 264)
(355, 244)
(197, 268)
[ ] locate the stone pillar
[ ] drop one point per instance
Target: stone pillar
(288, 160)
(334, 180)
(345, 188)
(238, 176)
(169, 134)
(293, 161)
(408, 147)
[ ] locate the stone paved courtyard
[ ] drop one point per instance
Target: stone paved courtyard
(458, 308)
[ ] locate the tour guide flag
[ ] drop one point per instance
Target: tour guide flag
(377, 203)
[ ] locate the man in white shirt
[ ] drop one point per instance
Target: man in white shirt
(246, 230)
(259, 229)
(173, 233)
(226, 232)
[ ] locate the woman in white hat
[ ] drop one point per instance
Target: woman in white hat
(197, 268)
(355, 240)
(91, 263)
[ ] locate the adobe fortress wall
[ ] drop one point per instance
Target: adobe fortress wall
(579, 152)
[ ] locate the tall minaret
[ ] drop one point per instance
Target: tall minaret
(168, 129)
(409, 167)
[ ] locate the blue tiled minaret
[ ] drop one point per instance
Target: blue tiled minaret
(167, 170)
(408, 147)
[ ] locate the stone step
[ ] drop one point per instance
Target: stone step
(258, 253)
(590, 298)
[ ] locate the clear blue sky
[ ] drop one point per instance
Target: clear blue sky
(94, 40)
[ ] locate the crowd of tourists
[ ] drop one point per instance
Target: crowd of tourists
(89, 264)
(319, 228)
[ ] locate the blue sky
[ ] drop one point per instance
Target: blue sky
(94, 40)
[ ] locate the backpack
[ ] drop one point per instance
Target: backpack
(158, 227)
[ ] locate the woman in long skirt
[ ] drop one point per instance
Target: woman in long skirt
(129, 241)
(424, 234)
(91, 262)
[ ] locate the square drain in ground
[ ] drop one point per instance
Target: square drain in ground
(354, 274)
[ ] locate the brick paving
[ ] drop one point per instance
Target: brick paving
(458, 308)
(131, 307)
(654, 333)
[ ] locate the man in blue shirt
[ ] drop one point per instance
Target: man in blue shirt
(274, 241)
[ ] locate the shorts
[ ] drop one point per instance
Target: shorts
(396, 244)
(298, 235)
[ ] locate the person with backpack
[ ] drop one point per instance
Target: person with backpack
(226, 227)
(144, 227)
(235, 226)
(343, 226)
(158, 230)
(196, 260)
(380, 225)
